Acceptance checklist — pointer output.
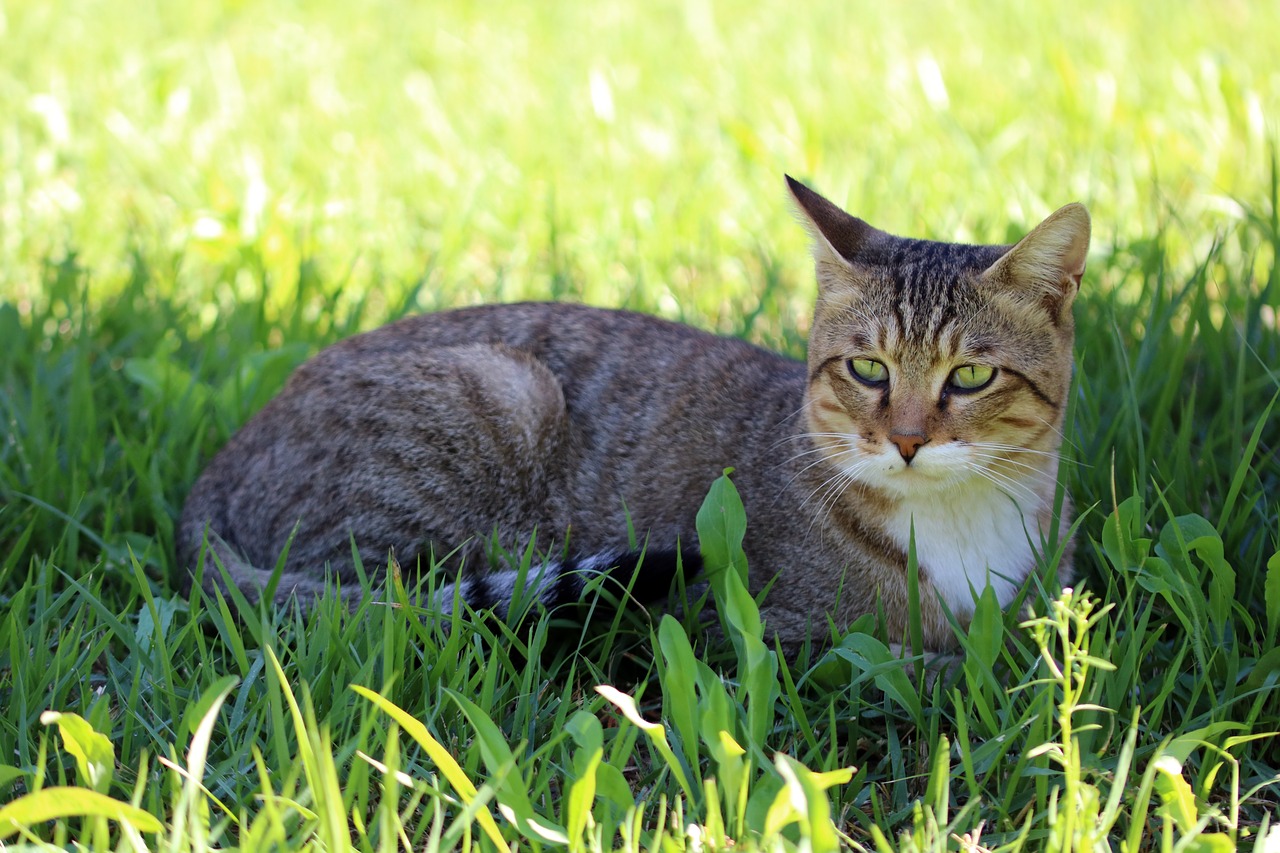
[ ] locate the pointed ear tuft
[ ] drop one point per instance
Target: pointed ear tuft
(1048, 263)
(833, 230)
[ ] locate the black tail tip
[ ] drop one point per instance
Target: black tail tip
(649, 574)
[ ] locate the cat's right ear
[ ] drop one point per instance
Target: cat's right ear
(836, 235)
(1047, 265)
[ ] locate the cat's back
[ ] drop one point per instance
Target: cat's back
(541, 414)
(610, 364)
(573, 341)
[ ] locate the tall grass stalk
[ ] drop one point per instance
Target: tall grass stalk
(194, 201)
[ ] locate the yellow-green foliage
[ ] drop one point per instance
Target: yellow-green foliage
(195, 196)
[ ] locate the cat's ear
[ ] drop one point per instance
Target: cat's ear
(835, 233)
(1047, 264)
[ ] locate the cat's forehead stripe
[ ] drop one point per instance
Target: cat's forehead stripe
(926, 287)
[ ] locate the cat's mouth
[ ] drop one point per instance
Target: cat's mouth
(920, 470)
(931, 468)
(879, 471)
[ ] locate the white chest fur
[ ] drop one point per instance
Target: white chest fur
(969, 538)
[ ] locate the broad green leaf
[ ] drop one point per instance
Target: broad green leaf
(803, 800)
(730, 746)
(870, 655)
(757, 664)
(1266, 665)
(585, 730)
(1120, 536)
(1193, 528)
(440, 756)
(716, 712)
(734, 774)
(59, 802)
(1232, 742)
(1181, 747)
(986, 629)
(740, 608)
(1157, 576)
(1187, 601)
(1177, 800)
(493, 749)
(722, 524)
(679, 679)
(1211, 842)
(582, 794)
(1193, 534)
(94, 755)
(719, 718)
(165, 608)
(613, 786)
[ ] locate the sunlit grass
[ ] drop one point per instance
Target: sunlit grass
(194, 198)
(619, 152)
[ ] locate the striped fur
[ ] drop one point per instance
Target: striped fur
(537, 425)
(643, 576)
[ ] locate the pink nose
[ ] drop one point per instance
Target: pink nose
(908, 443)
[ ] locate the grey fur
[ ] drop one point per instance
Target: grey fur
(427, 436)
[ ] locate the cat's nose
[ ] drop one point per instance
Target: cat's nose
(908, 443)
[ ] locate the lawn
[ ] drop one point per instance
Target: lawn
(196, 197)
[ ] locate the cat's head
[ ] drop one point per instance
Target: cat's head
(933, 363)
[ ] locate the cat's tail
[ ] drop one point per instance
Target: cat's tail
(643, 576)
(638, 575)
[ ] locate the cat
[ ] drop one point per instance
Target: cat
(931, 405)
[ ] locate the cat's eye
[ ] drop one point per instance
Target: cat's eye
(868, 371)
(971, 377)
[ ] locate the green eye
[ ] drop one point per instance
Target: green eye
(868, 371)
(971, 377)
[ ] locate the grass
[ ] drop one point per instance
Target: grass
(197, 198)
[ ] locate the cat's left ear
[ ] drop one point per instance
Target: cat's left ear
(1048, 263)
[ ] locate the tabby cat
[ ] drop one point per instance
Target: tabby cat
(932, 400)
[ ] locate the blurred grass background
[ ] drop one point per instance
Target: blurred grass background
(194, 197)
(620, 153)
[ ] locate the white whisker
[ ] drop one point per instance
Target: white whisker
(1062, 436)
(1013, 488)
(832, 458)
(1013, 448)
(830, 490)
(1009, 448)
(804, 453)
(836, 487)
(1025, 466)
